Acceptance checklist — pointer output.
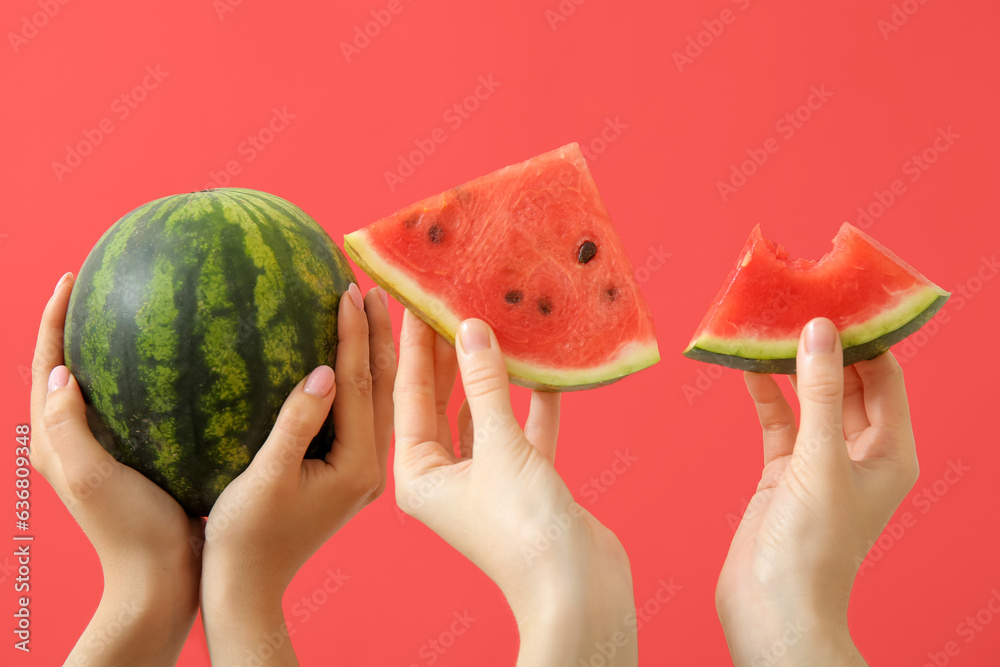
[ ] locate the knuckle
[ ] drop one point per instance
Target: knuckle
(825, 389)
(775, 425)
(40, 368)
(893, 370)
(481, 380)
(383, 364)
(361, 380)
(296, 422)
(57, 418)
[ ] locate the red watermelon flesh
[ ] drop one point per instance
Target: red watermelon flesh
(531, 250)
(875, 299)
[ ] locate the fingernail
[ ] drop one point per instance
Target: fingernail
(359, 301)
(383, 296)
(319, 382)
(66, 276)
(58, 378)
(820, 336)
(474, 335)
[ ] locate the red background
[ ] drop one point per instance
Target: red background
(698, 454)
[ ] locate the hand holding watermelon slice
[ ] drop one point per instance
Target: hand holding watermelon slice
(499, 500)
(828, 488)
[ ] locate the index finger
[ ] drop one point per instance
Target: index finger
(49, 344)
(353, 411)
(414, 392)
(885, 392)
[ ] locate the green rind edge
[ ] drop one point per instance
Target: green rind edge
(852, 355)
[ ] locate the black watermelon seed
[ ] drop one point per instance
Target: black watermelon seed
(513, 296)
(611, 293)
(435, 233)
(545, 305)
(587, 252)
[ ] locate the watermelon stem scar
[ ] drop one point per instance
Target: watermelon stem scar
(531, 250)
(873, 297)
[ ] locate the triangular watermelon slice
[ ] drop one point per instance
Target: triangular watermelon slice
(531, 250)
(875, 299)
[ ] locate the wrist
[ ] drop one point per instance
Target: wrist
(140, 620)
(242, 613)
(788, 635)
(235, 583)
(565, 623)
(164, 589)
(246, 629)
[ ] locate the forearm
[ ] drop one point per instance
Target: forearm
(137, 625)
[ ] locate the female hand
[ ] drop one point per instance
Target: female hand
(275, 515)
(828, 489)
(142, 536)
(502, 504)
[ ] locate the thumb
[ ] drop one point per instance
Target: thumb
(487, 387)
(69, 456)
(300, 419)
(820, 370)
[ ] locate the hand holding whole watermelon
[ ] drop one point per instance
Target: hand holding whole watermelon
(266, 523)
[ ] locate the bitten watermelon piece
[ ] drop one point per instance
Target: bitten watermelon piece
(531, 250)
(875, 299)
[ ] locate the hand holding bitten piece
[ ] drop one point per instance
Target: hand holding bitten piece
(828, 488)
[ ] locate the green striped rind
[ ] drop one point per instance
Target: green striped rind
(860, 342)
(445, 321)
(190, 322)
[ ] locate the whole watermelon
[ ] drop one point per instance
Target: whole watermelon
(190, 322)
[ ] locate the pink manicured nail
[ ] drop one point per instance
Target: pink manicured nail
(359, 301)
(319, 382)
(66, 276)
(58, 378)
(383, 296)
(820, 336)
(475, 336)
